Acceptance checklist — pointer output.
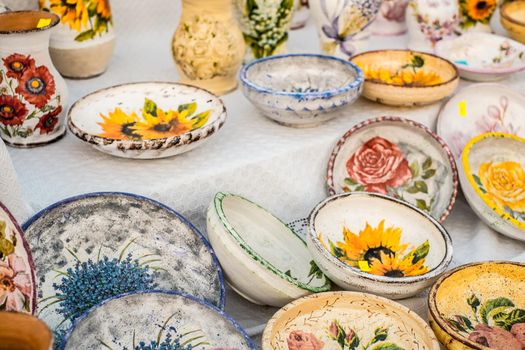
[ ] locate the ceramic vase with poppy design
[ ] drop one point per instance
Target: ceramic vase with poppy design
(33, 95)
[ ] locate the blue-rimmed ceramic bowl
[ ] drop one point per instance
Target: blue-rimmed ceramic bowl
(301, 90)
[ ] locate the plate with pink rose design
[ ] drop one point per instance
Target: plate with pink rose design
(397, 157)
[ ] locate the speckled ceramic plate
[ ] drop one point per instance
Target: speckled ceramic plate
(94, 246)
(397, 157)
(328, 321)
(480, 306)
(157, 319)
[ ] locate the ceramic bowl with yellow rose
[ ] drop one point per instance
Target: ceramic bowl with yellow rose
(513, 19)
(492, 176)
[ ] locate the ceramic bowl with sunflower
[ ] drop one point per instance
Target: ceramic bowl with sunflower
(147, 120)
(492, 176)
(513, 19)
(406, 78)
(480, 306)
(378, 244)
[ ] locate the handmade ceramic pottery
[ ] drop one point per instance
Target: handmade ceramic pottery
(301, 90)
(406, 78)
(391, 18)
(208, 47)
(342, 24)
(483, 56)
(82, 46)
(347, 320)
(513, 19)
(480, 306)
(156, 320)
(475, 15)
(374, 243)
(301, 13)
(264, 261)
(33, 96)
(17, 271)
(397, 157)
(147, 120)
(95, 246)
(24, 332)
(492, 177)
(430, 21)
(479, 109)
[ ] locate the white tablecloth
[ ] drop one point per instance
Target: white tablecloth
(281, 168)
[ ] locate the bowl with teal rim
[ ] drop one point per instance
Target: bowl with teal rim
(301, 90)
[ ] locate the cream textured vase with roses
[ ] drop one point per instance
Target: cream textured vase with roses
(391, 18)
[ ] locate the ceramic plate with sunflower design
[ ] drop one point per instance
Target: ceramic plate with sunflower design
(147, 120)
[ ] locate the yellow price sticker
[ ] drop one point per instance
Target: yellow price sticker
(463, 109)
(43, 22)
(363, 265)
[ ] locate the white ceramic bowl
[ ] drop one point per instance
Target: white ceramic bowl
(383, 236)
(263, 260)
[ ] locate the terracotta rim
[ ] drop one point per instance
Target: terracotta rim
(505, 15)
(38, 325)
(54, 21)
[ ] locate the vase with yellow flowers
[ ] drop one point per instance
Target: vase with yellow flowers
(475, 15)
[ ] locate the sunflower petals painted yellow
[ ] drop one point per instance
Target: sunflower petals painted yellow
(118, 125)
(403, 77)
(504, 183)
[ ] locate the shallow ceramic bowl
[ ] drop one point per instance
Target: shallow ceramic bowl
(179, 118)
(374, 243)
(22, 331)
(480, 306)
(483, 56)
(492, 176)
(390, 76)
(264, 260)
(398, 157)
(153, 316)
(301, 90)
(513, 19)
(360, 319)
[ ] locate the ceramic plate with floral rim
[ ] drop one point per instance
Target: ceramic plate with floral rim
(397, 157)
(147, 120)
(347, 321)
(95, 246)
(479, 109)
(480, 306)
(157, 320)
(492, 177)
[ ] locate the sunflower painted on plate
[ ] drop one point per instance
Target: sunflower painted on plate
(118, 125)
(395, 266)
(474, 11)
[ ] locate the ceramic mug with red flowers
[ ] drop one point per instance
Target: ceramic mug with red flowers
(32, 93)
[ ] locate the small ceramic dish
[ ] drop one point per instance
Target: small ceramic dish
(406, 78)
(478, 109)
(398, 157)
(483, 56)
(480, 306)
(347, 320)
(512, 17)
(24, 332)
(156, 320)
(375, 243)
(263, 260)
(301, 90)
(147, 120)
(492, 176)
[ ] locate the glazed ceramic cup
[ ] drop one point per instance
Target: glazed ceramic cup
(513, 19)
(302, 90)
(264, 260)
(374, 243)
(406, 78)
(480, 306)
(24, 332)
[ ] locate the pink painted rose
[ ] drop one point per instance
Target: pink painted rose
(394, 10)
(299, 340)
(518, 330)
(378, 164)
(15, 283)
(495, 338)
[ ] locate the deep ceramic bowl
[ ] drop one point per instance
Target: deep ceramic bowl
(263, 260)
(147, 120)
(406, 78)
(356, 320)
(22, 331)
(374, 243)
(301, 90)
(513, 19)
(492, 176)
(480, 306)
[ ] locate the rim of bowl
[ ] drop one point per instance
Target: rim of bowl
(504, 12)
(38, 215)
(218, 205)
(149, 144)
(436, 271)
(48, 15)
(306, 299)
(183, 295)
(403, 121)
(358, 80)
(375, 52)
(432, 302)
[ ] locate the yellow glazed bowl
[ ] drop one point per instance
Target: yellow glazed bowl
(480, 306)
(406, 78)
(513, 19)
